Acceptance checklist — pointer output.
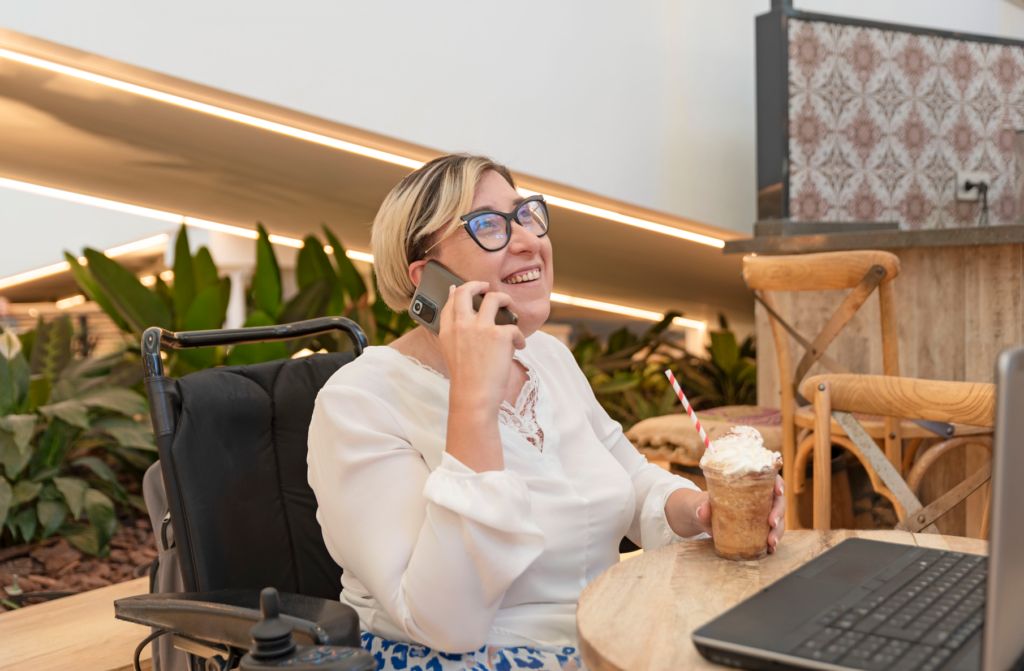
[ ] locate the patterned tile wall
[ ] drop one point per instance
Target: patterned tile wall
(880, 121)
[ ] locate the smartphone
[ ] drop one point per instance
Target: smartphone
(432, 294)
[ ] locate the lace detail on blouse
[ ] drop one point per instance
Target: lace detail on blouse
(420, 364)
(523, 417)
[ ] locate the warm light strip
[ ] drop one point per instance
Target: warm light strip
(623, 310)
(332, 142)
(136, 246)
(70, 302)
(213, 110)
(359, 256)
(629, 221)
(141, 244)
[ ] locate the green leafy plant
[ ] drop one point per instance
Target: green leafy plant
(68, 427)
(197, 299)
(627, 372)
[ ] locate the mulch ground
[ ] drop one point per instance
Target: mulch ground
(55, 566)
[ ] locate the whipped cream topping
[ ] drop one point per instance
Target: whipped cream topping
(740, 451)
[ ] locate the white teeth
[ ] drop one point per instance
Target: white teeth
(525, 277)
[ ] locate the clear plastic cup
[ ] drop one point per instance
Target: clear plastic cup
(740, 504)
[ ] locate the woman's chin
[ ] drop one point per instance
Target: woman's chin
(532, 314)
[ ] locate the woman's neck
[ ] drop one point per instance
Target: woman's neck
(423, 346)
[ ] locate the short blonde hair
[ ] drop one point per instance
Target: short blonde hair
(425, 202)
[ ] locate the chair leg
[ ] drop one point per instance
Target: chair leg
(986, 518)
(822, 458)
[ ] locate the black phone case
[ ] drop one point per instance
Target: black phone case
(432, 295)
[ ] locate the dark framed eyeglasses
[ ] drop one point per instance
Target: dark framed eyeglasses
(492, 230)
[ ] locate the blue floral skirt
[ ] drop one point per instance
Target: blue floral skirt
(392, 656)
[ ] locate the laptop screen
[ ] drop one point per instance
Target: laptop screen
(1004, 616)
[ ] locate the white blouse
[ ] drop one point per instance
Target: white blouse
(437, 554)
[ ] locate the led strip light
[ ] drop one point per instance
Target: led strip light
(169, 217)
(325, 140)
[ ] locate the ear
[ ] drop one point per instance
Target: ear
(416, 271)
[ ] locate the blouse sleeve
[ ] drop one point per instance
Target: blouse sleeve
(437, 550)
(652, 484)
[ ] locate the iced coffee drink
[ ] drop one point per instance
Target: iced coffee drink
(740, 474)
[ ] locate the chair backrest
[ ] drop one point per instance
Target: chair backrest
(243, 512)
(861, 271)
(971, 403)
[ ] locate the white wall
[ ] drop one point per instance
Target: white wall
(651, 101)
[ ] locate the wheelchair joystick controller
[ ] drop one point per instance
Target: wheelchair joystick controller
(274, 647)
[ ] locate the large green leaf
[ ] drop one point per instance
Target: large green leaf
(128, 433)
(724, 350)
(26, 523)
(244, 355)
(73, 490)
(351, 281)
(6, 496)
(619, 383)
(205, 269)
(25, 491)
(12, 458)
(82, 537)
(313, 263)
(51, 352)
(100, 510)
(14, 374)
(98, 467)
(93, 291)
(39, 392)
(125, 401)
(133, 458)
(72, 411)
(140, 306)
(266, 281)
(309, 303)
(51, 515)
(21, 427)
(184, 277)
(208, 311)
(53, 445)
(620, 339)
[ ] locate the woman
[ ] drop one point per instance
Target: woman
(470, 485)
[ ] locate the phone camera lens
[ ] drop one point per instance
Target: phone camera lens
(424, 309)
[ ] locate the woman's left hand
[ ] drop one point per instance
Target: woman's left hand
(689, 512)
(777, 516)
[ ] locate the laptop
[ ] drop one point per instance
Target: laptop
(886, 607)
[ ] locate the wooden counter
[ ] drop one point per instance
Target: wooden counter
(77, 632)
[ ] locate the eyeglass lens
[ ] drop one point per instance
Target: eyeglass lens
(492, 229)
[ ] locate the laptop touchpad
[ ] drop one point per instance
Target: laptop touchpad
(846, 572)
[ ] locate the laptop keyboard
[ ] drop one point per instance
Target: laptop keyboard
(914, 621)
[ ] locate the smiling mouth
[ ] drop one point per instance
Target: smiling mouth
(520, 278)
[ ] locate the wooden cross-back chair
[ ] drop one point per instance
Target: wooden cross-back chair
(836, 397)
(862, 272)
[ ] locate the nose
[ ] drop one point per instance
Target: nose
(522, 240)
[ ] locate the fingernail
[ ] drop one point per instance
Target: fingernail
(782, 489)
(776, 522)
(775, 542)
(451, 289)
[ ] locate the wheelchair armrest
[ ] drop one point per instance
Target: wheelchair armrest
(225, 616)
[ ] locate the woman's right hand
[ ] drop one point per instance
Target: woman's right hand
(477, 352)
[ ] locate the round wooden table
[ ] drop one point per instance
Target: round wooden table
(639, 614)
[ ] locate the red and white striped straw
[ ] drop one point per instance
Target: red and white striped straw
(689, 410)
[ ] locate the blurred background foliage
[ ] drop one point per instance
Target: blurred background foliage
(627, 372)
(75, 439)
(197, 299)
